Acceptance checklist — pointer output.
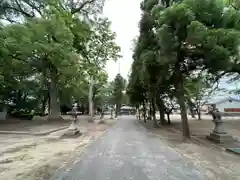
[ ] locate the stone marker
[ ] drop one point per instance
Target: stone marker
(101, 120)
(101, 116)
(218, 134)
(234, 150)
(3, 115)
(73, 129)
(111, 113)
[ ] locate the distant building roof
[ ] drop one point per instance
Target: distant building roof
(224, 100)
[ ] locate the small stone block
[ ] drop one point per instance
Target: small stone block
(234, 150)
(91, 120)
(101, 122)
(72, 133)
(219, 138)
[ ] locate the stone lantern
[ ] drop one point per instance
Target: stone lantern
(73, 129)
(218, 133)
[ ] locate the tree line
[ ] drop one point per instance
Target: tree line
(183, 49)
(50, 51)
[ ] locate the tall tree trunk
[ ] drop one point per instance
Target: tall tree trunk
(111, 113)
(90, 97)
(101, 115)
(54, 106)
(144, 112)
(181, 101)
(199, 114)
(168, 117)
(139, 114)
(49, 101)
(46, 96)
(44, 103)
(18, 99)
(161, 111)
(155, 123)
(117, 110)
(149, 114)
(90, 100)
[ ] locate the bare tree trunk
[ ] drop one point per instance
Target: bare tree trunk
(199, 114)
(139, 114)
(44, 103)
(149, 114)
(111, 114)
(155, 123)
(161, 111)
(144, 112)
(145, 117)
(117, 110)
(181, 101)
(90, 101)
(54, 106)
(102, 116)
(168, 117)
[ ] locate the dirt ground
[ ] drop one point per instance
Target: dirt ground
(36, 158)
(214, 162)
(36, 125)
(202, 128)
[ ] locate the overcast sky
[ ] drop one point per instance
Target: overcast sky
(124, 15)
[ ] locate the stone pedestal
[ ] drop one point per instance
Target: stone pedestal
(111, 115)
(72, 130)
(219, 138)
(218, 134)
(90, 119)
(218, 127)
(3, 116)
(101, 121)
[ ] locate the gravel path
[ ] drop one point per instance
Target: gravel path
(128, 151)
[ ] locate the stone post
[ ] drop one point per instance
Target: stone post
(73, 129)
(111, 113)
(101, 116)
(218, 133)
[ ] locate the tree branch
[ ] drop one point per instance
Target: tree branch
(235, 7)
(75, 10)
(18, 10)
(21, 10)
(34, 7)
(5, 18)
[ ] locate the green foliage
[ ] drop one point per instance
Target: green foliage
(101, 46)
(119, 86)
(198, 89)
(178, 39)
(48, 51)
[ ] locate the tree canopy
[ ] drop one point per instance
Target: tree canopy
(49, 51)
(180, 40)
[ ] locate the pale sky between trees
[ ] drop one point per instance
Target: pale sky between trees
(124, 15)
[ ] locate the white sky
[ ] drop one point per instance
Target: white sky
(124, 15)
